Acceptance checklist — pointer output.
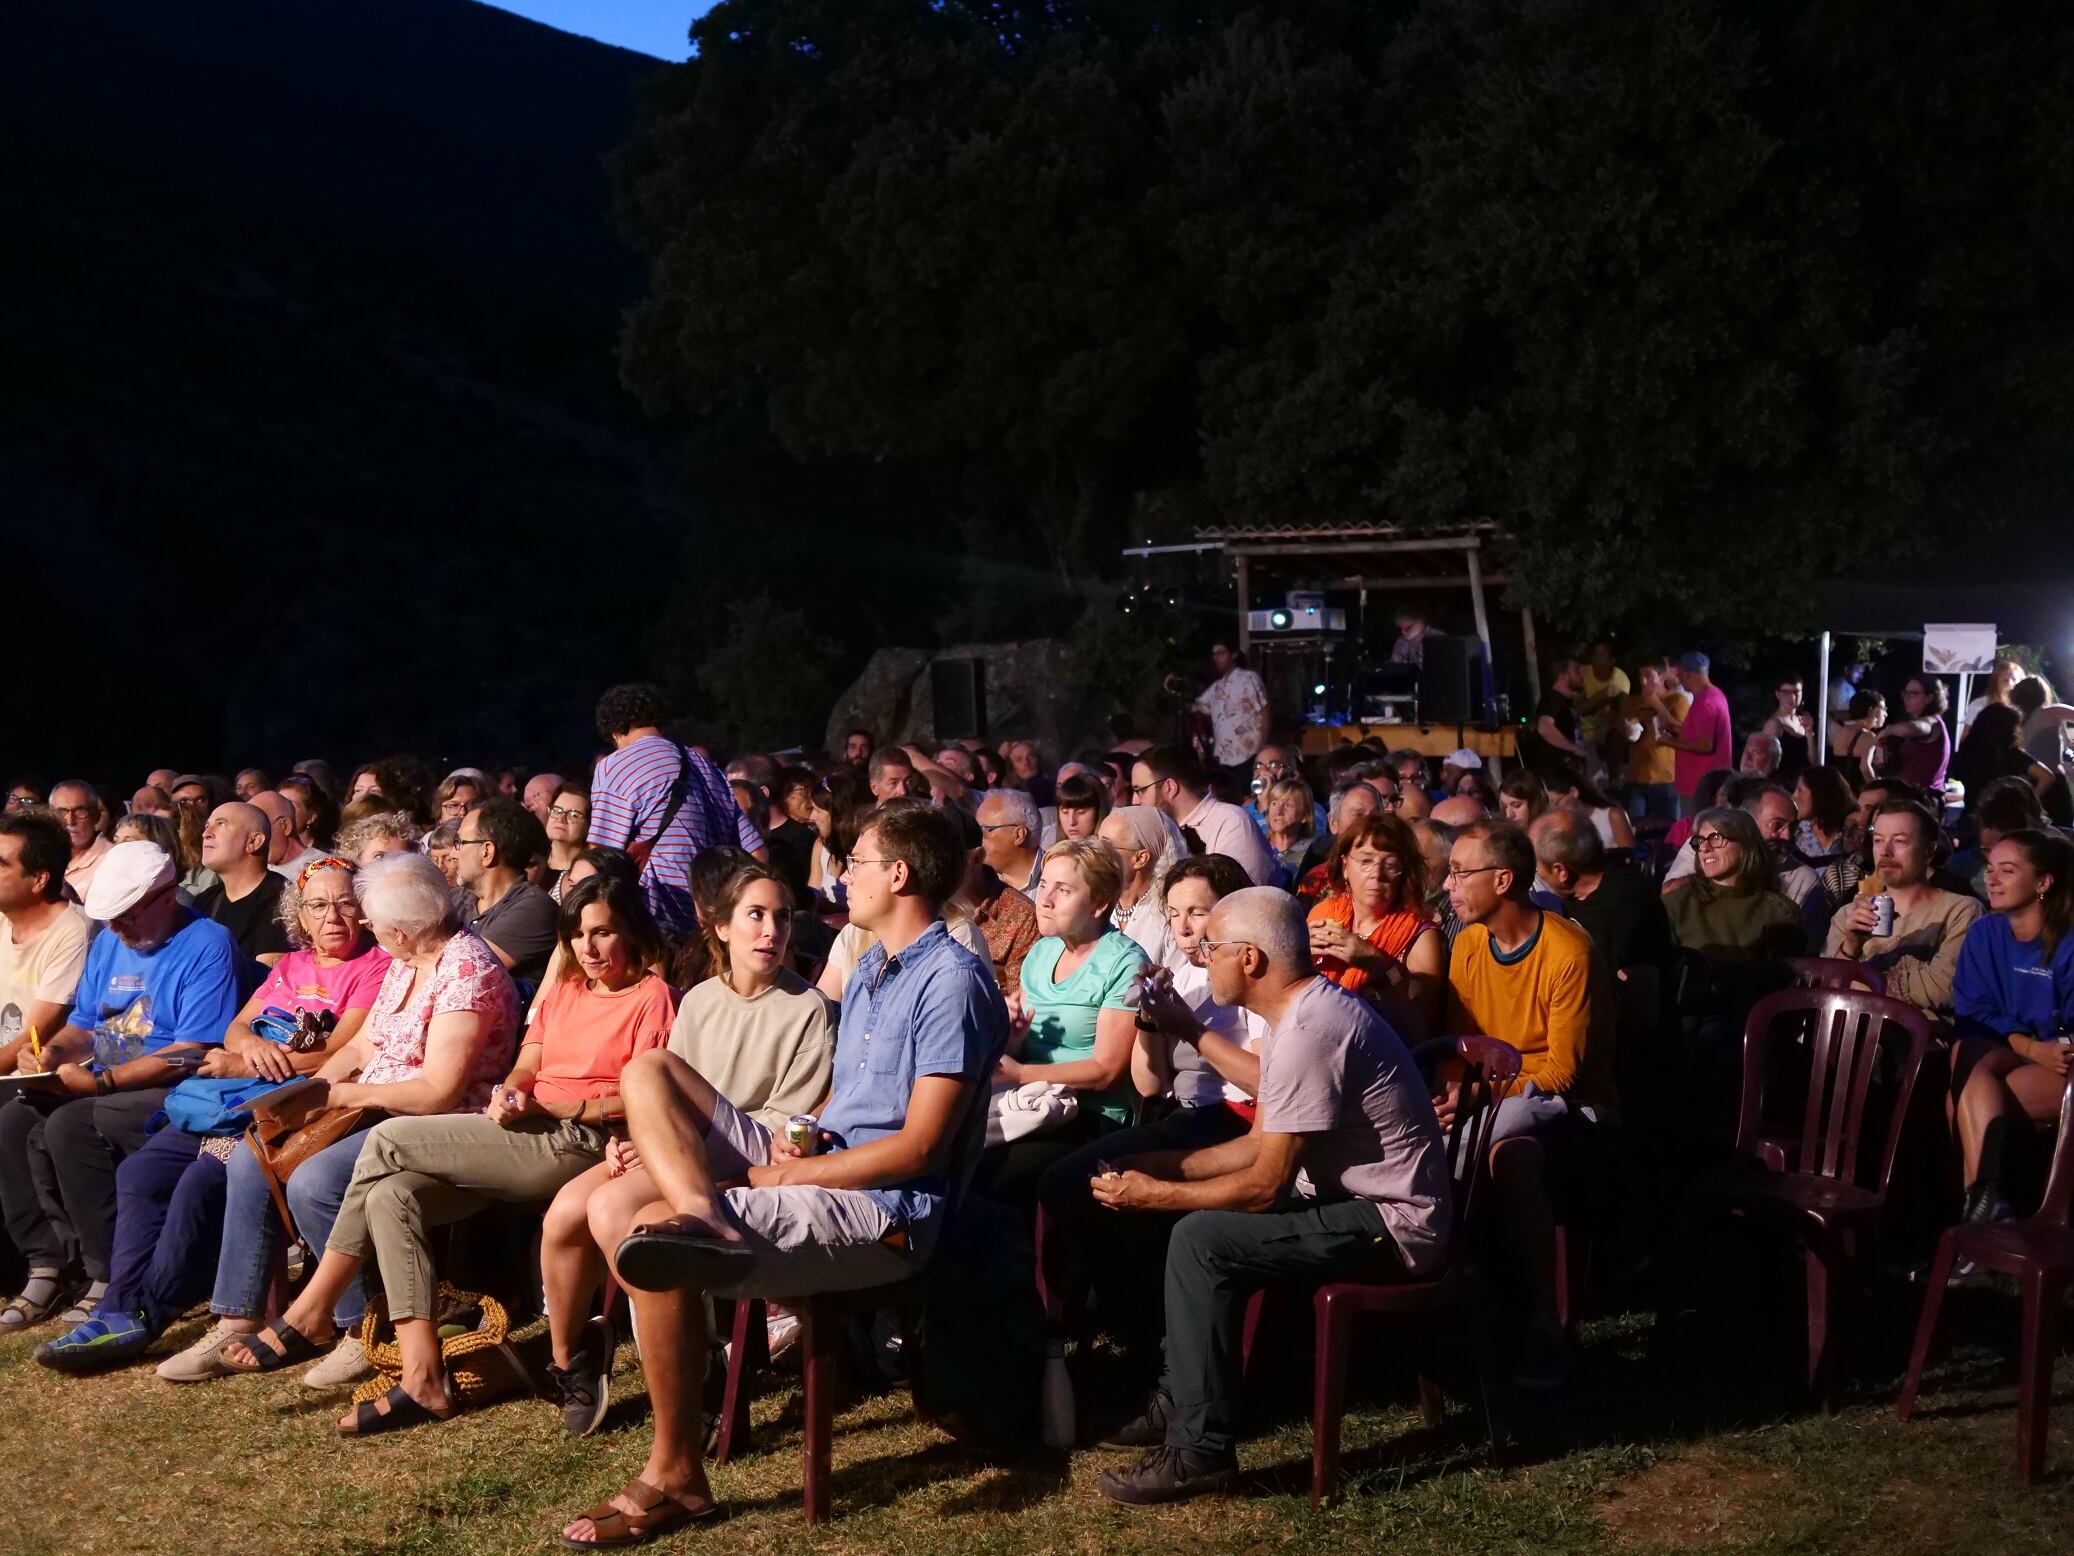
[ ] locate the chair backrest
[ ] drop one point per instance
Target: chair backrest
(1489, 1067)
(2059, 1184)
(1834, 972)
(1844, 1030)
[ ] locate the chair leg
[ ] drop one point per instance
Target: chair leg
(2038, 1346)
(1432, 1407)
(746, 1348)
(1254, 1304)
(1926, 1325)
(1820, 1262)
(1329, 1394)
(1490, 1377)
(819, 1338)
(1572, 1272)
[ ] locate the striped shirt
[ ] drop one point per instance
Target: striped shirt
(630, 790)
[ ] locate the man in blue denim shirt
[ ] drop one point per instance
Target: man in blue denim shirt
(923, 1026)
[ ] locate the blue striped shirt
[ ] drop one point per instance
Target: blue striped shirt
(630, 790)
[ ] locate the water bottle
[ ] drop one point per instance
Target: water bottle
(1060, 1419)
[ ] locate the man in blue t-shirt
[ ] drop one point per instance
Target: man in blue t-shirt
(159, 988)
(923, 1026)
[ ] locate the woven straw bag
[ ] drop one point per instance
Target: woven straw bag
(480, 1364)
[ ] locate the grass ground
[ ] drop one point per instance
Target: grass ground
(1710, 1452)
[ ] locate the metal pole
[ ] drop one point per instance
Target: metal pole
(1245, 608)
(1822, 701)
(1526, 622)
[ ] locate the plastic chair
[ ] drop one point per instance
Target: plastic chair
(1834, 972)
(1452, 1291)
(1824, 1194)
(2039, 1253)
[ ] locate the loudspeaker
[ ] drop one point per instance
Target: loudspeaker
(958, 698)
(1451, 689)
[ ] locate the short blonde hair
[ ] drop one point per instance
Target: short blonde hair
(1101, 866)
(1299, 791)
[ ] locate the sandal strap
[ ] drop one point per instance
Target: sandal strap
(616, 1526)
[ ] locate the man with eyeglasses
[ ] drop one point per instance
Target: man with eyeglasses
(495, 843)
(1271, 765)
(246, 898)
(1532, 979)
(1342, 1177)
(193, 793)
(1168, 777)
(157, 991)
(77, 805)
(539, 794)
(1009, 829)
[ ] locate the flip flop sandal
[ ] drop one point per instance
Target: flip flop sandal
(656, 1260)
(659, 1513)
(291, 1348)
(371, 1421)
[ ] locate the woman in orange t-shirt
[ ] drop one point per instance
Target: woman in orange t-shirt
(1372, 935)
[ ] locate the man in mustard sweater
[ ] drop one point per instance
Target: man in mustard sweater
(1533, 980)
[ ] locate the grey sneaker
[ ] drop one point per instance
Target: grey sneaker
(202, 1360)
(343, 1365)
(585, 1391)
(1169, 1475)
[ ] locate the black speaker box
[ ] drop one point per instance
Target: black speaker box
(958, 698)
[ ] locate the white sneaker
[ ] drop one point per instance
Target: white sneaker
(783, 1333)
(201, 1361)
(344, 1364)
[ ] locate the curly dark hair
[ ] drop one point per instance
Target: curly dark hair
(637, 705)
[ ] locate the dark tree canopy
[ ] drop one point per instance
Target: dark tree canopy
(1620, 277)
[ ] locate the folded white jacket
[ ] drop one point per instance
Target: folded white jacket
(1029, 1109)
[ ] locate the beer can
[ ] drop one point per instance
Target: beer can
(802, 1130)
(1883, 909)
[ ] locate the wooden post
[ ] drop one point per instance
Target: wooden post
(1245, 608)
(1483, 620)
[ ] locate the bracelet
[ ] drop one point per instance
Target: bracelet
(104, 1081)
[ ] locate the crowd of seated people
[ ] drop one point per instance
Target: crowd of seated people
(1171, 1030)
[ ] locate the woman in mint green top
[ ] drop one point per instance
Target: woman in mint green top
(1075, 1016)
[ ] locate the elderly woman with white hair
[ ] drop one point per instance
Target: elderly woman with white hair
(436, 1040)
(1150, 845)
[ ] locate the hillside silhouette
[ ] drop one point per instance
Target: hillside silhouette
(311, 440)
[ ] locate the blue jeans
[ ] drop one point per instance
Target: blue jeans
(252, 1228)
(1652, 801)
(168, 1224)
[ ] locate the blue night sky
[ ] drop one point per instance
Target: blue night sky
(657, 27)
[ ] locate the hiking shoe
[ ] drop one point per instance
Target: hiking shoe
(202, 1360)
(1544, 1359)
(345, 1363)
(1169, 1475)
(1982, 1209)
(97, 1343)
(1149, 1430)
(584, 1391)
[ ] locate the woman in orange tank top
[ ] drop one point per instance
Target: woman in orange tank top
(1372, 935)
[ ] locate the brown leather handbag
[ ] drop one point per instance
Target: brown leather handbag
(287, 1132)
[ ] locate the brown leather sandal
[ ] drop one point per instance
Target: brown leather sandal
(659, 1513)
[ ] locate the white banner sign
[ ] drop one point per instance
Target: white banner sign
(1958, 648)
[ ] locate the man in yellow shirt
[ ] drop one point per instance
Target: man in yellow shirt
(1531, 979)
(1652, 767)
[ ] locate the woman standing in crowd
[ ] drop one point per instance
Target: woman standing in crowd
(543, 1126)
(1788, 725)
(1149, 844)
(765, 1040)
(1076, 1025)
(568, 828)
(1372, 935)
(435, 1041)
(1918, 746)
(1291, 826)
(2001, 681)
(2013, 994)
(1855, 737)
(1993, 748)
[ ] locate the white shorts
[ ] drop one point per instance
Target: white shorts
(806, 1239)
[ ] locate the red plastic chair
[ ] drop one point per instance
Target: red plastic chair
(1834, 972)
(1450, 1292)
(1826, 1194)
(2039, 1252)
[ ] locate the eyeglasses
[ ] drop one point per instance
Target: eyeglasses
(74, 812)
(1462, 875)
(1210, 947)
(997, 826)
(850, 864)
(469, 842)
(1140, 788)
(343, 907)
(1707, 842)
(568, 813)
(1390, 801)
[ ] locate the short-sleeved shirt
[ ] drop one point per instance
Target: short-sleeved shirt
(1196, 1084)
(1227, 830)
(1594, 726)
(768, 1055)
(1335, 1073)
(1922, 759)
(466, 977)
(932, 1010)
(587, 1034)
(521, 924)
(298, 983)
(44, 970)
(1707, 719)
(630, 791)
(253, 919)
(1063, 1011)
(184, 990)
(1541, 757)
(1649, 760)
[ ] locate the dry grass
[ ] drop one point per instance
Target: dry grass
(251, 1465)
